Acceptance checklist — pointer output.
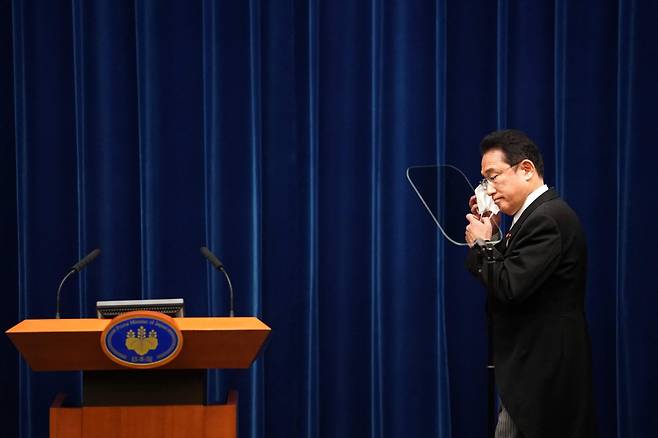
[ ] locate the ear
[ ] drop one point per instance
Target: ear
(528, 169)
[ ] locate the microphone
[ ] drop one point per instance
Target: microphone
(86, 260)
(220, 267)
(75, 269)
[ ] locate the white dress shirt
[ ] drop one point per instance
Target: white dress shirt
(529, 200)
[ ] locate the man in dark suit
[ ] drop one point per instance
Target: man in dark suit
(536, 296)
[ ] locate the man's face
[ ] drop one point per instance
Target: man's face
(509, 188)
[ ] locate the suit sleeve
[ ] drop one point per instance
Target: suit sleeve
(526, 265)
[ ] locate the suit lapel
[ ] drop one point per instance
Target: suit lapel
(511, 234)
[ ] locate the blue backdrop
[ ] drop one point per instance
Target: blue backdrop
(277, 133)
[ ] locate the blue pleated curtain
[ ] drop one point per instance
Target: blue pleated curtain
(277, 133)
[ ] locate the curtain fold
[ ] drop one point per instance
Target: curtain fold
(278, 134)
(444, 420)
(9, 364)
(637, 329)
(372, 50)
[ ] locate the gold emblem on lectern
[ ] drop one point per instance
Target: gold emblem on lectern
(141, 344)
(142, 339)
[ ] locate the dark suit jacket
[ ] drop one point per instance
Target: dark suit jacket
(536, 305)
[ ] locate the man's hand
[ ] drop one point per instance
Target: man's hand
(473, 206)
(477, 229)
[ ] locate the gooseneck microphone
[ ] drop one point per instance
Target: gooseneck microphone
(75, 269)
(220, 267)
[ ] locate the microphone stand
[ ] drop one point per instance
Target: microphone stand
(59, 290)
(230, 288)
(491, 377)
(75, 268)
(212, 258)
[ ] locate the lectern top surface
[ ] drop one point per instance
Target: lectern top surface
(98, 325)
(74, 344)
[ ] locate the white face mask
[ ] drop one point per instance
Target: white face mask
(485, 202)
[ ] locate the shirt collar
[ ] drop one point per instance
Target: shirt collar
(529, 200)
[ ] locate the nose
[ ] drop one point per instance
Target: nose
(490, 189)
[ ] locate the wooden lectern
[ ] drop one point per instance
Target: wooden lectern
(163, 402)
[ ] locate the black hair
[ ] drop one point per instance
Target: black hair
(515, 145)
